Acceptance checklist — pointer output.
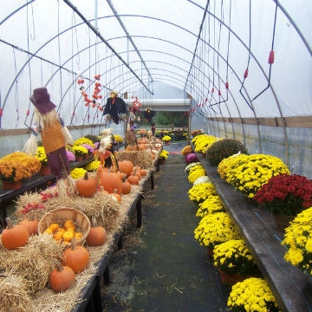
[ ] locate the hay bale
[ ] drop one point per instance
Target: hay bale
(13, 294)
(34, 262)
(143, 158)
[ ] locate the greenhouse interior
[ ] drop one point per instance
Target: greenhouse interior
(155, 155)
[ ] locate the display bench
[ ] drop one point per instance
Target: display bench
(292, 289)
(90, 296)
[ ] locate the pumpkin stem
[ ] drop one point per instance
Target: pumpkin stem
(86, 177)
(9, 223)
(124, 178)
(94, 221)
(73, 244)
(58, 265)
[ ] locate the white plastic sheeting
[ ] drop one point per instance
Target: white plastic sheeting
(202, 47)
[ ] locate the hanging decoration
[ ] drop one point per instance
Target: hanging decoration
(135, 108)
(95, 95)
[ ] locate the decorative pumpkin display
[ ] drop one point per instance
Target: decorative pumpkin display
(14, 236)
(86, 186)
(61, 278)
(76, 257)
(110, 182)
(126, 186)
(97, 235)
(30, 225)
(125, 166)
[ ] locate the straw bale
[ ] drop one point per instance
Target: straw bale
(138, 158)
(34, 262)
(13, 294)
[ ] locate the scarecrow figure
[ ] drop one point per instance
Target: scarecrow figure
(54, 134)
(149, 114)
(115, 106)
(106, 150)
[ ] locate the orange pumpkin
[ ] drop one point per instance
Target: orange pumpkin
(110, 182)
(126, 186)
(14, 236)
(143, 172)
(62, 278)
(97, 235)
(76, 257)
(133, 179)
(30, 225)
(125, 166)
(116, 196)
(86, 186)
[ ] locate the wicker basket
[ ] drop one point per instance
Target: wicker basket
(60, 215)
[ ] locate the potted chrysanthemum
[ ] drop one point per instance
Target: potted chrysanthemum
(79, 151)
(252, 294)
(247, 173)
(16, 166)
(298, 241)
(163, 156)
(214, 229)
(286, 196)
(200, 192)
(212, 204)
(234, 261)
(202, 142)
(42, 157)
(196, 172)
(166, 139)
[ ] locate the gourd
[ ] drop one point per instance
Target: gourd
(61, 278)
(30, 225)
(76, 257)
(14, 236)
(125, 166)
(86, 186)
(97, 235)
(110, 182)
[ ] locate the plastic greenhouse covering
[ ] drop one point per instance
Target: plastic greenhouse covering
(239, 69)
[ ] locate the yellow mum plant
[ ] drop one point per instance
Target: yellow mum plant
(163, 154)
(93, 165)
(166, 138)
(252, 294)
(41, 155)
(202, 142)
(214, 229)
(234, 257)
(248, 173)
(199, 192)
(79, 150)
(298, 241)
(17, 166)
(196, 172)
(84, 140)
(118, 138)
(211, 205)
(78, 173)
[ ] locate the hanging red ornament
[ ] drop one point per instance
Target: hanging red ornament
(226, 85)
(27, 112)
(1, 112)
(97, 84)
(271, 57)
(219, 92)
(73, 113)
(97, 77)
(246, 73)
(212, 90)
(206, 99)
(80, 81)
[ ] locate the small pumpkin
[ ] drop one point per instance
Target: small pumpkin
(97, 235)
(86, 186)
(133, 179)
(61, 278)
(126, 186)
(14, 236)
(125, 166)
(76, 257)
(116, 196)
(30, 225)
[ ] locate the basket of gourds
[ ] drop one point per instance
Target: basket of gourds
(65, 224)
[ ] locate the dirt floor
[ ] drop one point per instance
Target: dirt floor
(161, 267)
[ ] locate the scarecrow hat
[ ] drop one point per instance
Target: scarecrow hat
(41, 100)
(113, 91)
